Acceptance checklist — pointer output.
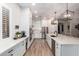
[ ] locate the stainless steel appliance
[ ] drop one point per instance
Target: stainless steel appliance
(44, 32)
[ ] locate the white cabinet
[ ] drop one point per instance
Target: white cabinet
(70, 50)
(17, 50)
(66, 49)
(64, 45)
(20, 48)
(48, 39)
(57, 49)
(9, 52)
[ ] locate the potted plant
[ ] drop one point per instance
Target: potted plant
(18, 35)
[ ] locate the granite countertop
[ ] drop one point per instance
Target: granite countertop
(63, 39)
(9, 43)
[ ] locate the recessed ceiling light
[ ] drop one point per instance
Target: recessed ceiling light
(33, 4)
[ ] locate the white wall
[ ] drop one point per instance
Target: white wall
(0, 23)
(14, 17)
(44, 23)
(26, 22)
(52, 28)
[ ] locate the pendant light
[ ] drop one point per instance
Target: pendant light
(68, 13)
(54, 22)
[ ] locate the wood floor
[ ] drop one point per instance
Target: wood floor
(39, 48)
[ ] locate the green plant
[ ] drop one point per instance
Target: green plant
(17, 33)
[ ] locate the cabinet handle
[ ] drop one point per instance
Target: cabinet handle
(10, 51)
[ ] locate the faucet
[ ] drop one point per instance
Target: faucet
(56, 33)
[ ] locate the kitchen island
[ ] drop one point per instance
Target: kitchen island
(63, 45)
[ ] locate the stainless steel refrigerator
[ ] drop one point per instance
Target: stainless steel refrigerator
(44, 32)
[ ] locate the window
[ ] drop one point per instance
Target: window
(5, 22)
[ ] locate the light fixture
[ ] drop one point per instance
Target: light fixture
(33, 4)
(68, 13)
(54, 22)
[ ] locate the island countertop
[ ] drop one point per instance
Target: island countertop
(63, 39)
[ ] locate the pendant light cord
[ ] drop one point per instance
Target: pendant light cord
(67, 8)
(55, 15)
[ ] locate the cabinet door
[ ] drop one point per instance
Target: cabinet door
(48, 39)
(57, 49)
(68, 50)
(20, 48)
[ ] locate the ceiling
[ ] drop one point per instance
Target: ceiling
(48, 9)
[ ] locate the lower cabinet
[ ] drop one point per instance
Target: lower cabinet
(66, 49)
(9, 52)
(57, 49)
(20, 49)
(17, 50)
(48, 39)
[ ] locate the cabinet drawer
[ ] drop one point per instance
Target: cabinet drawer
(17, 50)
(9, 52)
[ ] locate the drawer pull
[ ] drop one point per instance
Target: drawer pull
(10, 51)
